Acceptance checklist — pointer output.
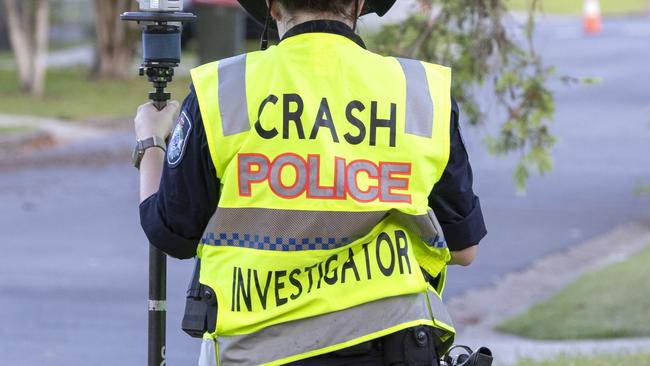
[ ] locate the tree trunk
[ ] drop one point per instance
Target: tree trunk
(29, 24)
(20, 38)
(116, 40)
(41, 45)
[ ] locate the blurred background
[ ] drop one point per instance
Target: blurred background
(555, 105)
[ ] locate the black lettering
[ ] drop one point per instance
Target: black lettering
(365, 252)
(266, 134)
(263, 295)
(355, 140)
(311, 281)
(350, 264)
(402, 251)
(334, 274)
(279, 301)
(234, 285)
(242, 292)
(386, 270)
(376, 123)
(324, 119)
(320, 274)
(295, 116)
(296, 283)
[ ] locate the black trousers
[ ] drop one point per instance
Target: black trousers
(410, 347)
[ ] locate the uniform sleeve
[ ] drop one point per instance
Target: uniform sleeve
(453, 200)
(175, 218)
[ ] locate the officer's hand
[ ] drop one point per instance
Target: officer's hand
(151, 122)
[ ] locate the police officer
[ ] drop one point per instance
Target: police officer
(315, 180)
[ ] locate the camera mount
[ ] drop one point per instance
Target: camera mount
(161, 46)
(161, 49)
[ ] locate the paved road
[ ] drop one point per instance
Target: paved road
(73, 270)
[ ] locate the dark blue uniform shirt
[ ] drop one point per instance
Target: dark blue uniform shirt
(174, 218)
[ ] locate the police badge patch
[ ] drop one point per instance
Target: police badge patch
(178, 141)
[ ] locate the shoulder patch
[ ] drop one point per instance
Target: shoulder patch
(178, 140)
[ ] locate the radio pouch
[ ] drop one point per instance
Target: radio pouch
(200, 307)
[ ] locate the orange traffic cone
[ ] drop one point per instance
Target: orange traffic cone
(593, 22)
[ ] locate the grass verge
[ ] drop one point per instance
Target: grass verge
(8, 130)
(71, 95)
(635, 359)
(574, 7)
(610, 303)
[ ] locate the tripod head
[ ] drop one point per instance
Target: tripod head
(161, 43)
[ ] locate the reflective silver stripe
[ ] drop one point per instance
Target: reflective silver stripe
(270, 229)
(419, 105)
(440, 241)
(425, 226)
(281, 341)
(232, 95)
(290, 230)
(439, 310)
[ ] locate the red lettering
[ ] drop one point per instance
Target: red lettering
(275, 177)
(389, 182)
(392, 178)
(353, 170)
(248, 176)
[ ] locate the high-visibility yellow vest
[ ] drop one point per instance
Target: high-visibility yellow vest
(326, 154)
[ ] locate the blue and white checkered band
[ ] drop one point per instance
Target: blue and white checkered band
(178, 141)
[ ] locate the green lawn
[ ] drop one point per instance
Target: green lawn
(608, 7)
(6, 59)
(637, 359)
(610, 303)
(71, 95)
(15, 129)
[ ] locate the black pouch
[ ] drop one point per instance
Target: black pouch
(481, 357)
(200, 307)
(410, 347)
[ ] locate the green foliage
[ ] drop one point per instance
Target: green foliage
(624, 359)
(472, 38)
(643, 190)
(609, 303)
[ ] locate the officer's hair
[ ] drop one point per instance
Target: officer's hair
(337, 7)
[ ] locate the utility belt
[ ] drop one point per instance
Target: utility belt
(409, 347)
